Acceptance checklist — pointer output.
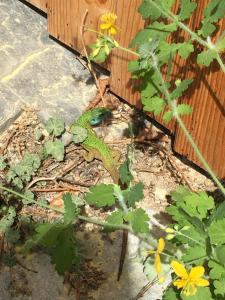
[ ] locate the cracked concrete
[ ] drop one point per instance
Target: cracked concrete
(35, 70)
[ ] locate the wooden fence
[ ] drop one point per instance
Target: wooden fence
(206, 96)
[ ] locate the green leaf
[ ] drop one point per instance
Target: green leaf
(55, 126)
(202, 293)
(133, 66)
(101, 195)
(180, 193)
(217, 271)
(56, 149)
(185, 49)
(171, 294)
(195, 253)
(168, 115)
(8, 260)
(139, 220)
(220, 45)
(184, 109)
(186, 9)
(220, 211)
(12, 235)
(220, 253)
(219, 287)
(7, 220)
(70, 208)
(154, 104)
(115, 218)
(181, 87)
(47, 234)
(197, 204)
(206, 57)
(157, 29)
(3, 165)
(79, 134)
(29, 197)
(217, 232)
(64, 252)
(125, 175)
(134, 194)
(148, 10)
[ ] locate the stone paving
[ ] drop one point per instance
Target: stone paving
(35, 70)
(39, 73)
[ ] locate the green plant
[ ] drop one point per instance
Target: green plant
(194, 243)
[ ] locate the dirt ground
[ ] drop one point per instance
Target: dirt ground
(154, 164)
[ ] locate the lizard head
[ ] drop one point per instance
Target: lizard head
(98, 115)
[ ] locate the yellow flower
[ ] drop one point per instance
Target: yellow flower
(108, 26)
(188, 281)
(157, 263)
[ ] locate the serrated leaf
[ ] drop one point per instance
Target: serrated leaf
(182, 87)
(217, 271)
(133, 66)
(220, 253)
(220, 45)
(63, 253)
(184, 109)
(198, 204)
(70, 209)
(186, 9)
(115, 218)
(139, 220)
(12, 235)
(219, 213)
(134, 194)
(185, 49)
(195, 253)
(219, 287)
(47, 234)
(206, 57)
(55, 126)
(101, 195)
(125, 175)
(7, 220)
(157, 30)
(2, 163)
(171, 294)
(29, 197)
(168, 115)
(148, 10)
(79, 134)
(217, 232)
(154, 105)
(56, 149)
(202, 293)
(215, 10)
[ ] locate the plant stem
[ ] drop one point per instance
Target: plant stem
(104, 224)
(199, 154)
(168, 14)
(30, 200)
(191, 239)
(220, 62)
(173, 107)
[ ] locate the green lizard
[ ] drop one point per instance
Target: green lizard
(94, 146)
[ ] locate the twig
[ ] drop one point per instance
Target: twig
(24, 267)
(88, 60)
(57, 176)
(54, 189)
(145, 288)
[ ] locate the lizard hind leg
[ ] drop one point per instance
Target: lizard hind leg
(87, 155)
(116, 154)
